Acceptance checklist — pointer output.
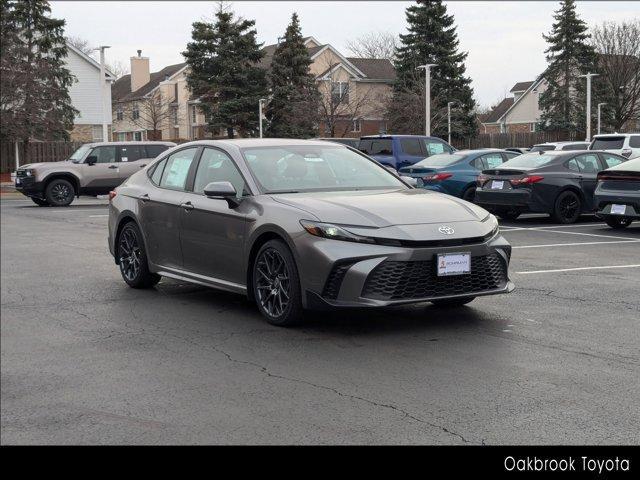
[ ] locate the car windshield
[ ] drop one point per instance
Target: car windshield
(307, 168)
(542, 148)
(440, 160)
(80, 153)
(529, 160)
(607, 143)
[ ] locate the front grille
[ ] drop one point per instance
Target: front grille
(334, 280)
(21, 173)
(410, 280)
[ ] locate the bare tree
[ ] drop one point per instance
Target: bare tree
(618, 45)
(81, 44)
(374, 45)
(153, 113)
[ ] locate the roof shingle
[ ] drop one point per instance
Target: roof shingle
(499, 110)
(521, 86)
(121, 89)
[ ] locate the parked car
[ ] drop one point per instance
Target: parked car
(297, 224)
(455, 173)
(399, 151)
(351, 142)
(551, 146)
(558, 183)
(520, 150)
(617, 195)
(625, 144)
(93, 169)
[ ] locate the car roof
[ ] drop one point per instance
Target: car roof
(560, 143)
(261, 142)
(132, 142)
(373, 137)
(605, 135)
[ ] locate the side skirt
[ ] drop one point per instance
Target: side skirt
(201, 280)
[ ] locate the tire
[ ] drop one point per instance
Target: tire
(40, 202)
(453, 302)
(274, 278)
(508, 214)
(469, 194)
(132, 258)
(59, 192)
(567, 208)
(618, 223)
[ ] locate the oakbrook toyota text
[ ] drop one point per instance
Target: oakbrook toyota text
(569, 464)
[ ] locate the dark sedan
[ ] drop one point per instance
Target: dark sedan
(617, 196)
(560, 183)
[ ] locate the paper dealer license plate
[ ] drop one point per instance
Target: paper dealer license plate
(497, 185)
(618, 209)
(454, 264)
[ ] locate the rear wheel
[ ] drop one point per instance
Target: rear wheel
(40, 202)
(567, 208)
(59, 192)
(132, 258)
(469, 194)
(617, 222)
(276, 284)
(453, 302)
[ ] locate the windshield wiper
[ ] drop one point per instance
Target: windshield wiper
(284, 191)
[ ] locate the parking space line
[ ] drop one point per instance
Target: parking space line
(578, 268)
(106, 215)
(575, 244)
(535, 229)
(582, 225)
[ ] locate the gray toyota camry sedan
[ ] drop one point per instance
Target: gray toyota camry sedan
(301, 224)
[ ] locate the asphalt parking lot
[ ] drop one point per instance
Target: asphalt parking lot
(86, 360)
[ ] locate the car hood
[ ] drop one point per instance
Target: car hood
(380, 209)
(45, 165)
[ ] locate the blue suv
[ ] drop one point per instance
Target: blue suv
(399, 151)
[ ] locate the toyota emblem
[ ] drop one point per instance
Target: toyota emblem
(446, 230)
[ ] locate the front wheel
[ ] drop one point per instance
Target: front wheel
(40, 202)
(59, 192)
(276, 284)
(132, 258)
(453, 302)
(567, 208)
(617, 222)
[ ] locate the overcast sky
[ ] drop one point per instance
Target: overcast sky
(503, 39)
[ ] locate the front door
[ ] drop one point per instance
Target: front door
(212, 233)
(131, 160)
(103, 175)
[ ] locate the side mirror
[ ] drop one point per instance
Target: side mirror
(222, 191)
(410, 180)
(91, 160)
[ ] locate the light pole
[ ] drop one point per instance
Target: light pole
(449, 119)
(589, 76)
(260, 113)
(105, 126)
(427, 91)
(600, 105)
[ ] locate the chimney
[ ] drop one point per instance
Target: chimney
(140, 74)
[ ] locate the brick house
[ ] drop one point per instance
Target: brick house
(517, 114)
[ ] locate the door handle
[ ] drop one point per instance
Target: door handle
(188, 206)
(113, 166)
(143, 165)
(144, 197)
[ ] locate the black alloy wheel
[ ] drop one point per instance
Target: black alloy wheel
(132, 258)
(567, 208)
(276, 284)
(59, 193)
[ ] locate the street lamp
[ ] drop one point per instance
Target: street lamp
(589, 76)
(427, 90)
(449, 119)
(105, 127)
(600, 105)
(260, 113)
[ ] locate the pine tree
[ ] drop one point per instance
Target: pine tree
(293, 109)
(431, 38)
(34, 79)
(569, 55)
(224, 73)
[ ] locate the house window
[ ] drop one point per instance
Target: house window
(96, 133)
(193, 115)
(137, 136)
(175, 116)
(340, 92)
(122, 136)
(356, 125)
(119, 113)
(532, 127)
(135, 112)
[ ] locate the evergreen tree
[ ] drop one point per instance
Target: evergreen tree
(293, 110)
(569, 55)
(224, 72)
(34, 80)
(431, 38)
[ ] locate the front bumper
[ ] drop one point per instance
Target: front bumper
(346, 274)
(29, 186)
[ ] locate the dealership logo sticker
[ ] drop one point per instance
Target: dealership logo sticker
(446, 230)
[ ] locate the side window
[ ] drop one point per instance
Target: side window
(588, 163)
(433, 148)
(634, 141)
(572, 165)
(216, 166)
(492, 160)
(104, 154)
(157, 172)
(510, 155)
(411, 146)
(131, 153)
(154, 150)
(177, 168)
(479, 163)
(611, 161)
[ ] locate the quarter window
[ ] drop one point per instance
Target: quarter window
(492, 160)
(157, 172)
(177, 168)
(611, 161)
(434, 148)
(216, 166)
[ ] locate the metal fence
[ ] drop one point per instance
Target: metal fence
(36, 152)
(505, 140)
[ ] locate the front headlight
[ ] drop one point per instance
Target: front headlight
(29, 173)
(493, 221)
(327, 230)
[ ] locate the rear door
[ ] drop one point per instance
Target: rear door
(589, 165)
(411, 152)
(132, 159)
(104, 174)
